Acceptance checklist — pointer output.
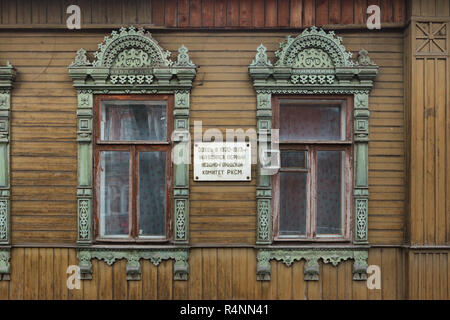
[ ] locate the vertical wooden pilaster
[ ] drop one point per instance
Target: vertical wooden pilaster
(361, 165)
(7, 74)
(264, 188)
(427, 76)
(427, 104)
(181, 159)
(84, 192)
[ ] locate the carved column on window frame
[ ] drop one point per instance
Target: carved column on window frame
(314, 62)
(361, 165)
(264, 126)
(84, 193)
(130, 61)
(7, 75)
(181, 156)
(264, 188)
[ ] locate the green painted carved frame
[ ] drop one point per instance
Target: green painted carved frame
(130, 61)
(7, 74)
(315, 62)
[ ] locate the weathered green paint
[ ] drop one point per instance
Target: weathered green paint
(4, 165)
(7, 75)
(84, 216)
(181, 151)
(361, 165)
(130, 61)
(5, 225)
(315, 62)
(84, 164)
(312, 258)
(133, 255)
(5, 265)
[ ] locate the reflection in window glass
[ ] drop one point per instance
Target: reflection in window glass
(152, 194)
(293, 203)
(293, 159)
(311, 122)
(330, 165)
(133, 121)
(114, 193)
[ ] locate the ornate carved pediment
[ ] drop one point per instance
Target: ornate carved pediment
(130, 61)
(313, 63)
(131, 57)
(313, 48)
(131, 48)
(314, 57)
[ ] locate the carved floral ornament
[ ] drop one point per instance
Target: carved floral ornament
(315, 62)
(316, 58)
(130, 61)
(131, 56)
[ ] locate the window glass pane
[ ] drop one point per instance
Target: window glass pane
(114, 193)
(309, 121)
(330, 186)
(292, 204)
(152, 194)
(133, 120)
(293, 159)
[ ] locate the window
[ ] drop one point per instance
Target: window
(132, 112)
(318, 97)
(313, 186)
(132, 167)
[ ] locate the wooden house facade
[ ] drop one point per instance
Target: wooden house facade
(228, 64)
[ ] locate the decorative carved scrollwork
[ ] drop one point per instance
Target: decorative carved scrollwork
(81, 59)
(131, 47)
(7, 75)
(315, 62)
(131, 57)
(261, 59)
(3, 220)
(364, 59)
(264, 220)
(4, 264)
(361, 219)
(130, 61)
(183, 58)
(312, 58)
(327, 44)
(312, 258)
(180, 218)
(84, 219)
(133, 256)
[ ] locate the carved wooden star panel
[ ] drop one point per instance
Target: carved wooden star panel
(431, 37)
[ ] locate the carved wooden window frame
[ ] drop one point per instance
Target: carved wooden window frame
(313, 63)
(312, 147)
(7, 75)
(134, 147)
(131, 62)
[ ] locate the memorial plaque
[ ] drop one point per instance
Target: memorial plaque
(222, 161)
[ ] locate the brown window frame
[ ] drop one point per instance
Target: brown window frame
(312, 146)
(133, 147)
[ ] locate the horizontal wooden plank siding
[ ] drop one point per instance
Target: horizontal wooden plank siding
(242, 14)
(40, 273)
(44, 150)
